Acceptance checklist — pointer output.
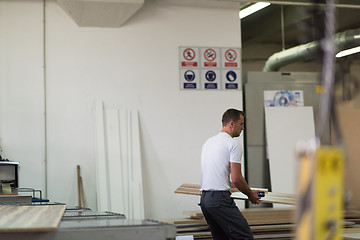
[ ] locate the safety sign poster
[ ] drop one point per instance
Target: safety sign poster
(283, 98)
(189, 57)
(209, 68)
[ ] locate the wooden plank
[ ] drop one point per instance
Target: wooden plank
(275, 236)
(196, 235)
(196, 186)
(193, 188)
(270, 197)
(194, 214)
(188, 191)
(193, 229)
(177, 221)
(352, 230)
(39, 218)
(258, 216)
(273, 227)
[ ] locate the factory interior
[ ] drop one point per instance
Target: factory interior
(105, 106)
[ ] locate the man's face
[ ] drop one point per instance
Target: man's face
(238, 126)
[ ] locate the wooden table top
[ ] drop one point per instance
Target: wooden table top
(34, 218)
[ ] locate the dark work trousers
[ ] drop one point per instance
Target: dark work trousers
(223, 217)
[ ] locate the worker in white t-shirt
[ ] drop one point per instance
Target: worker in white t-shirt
(220, 156)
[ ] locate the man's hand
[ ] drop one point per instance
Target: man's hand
(238, 181)
(253, 197)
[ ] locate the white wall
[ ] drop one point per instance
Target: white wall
(22, 89)
(132, 67)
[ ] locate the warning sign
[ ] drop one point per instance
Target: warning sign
(189, 57)
(231, 57)
(210, 79)
(190, 79)
(231, 79)
(209, 57)
(206, 68)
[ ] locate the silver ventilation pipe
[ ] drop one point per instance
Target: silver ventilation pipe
(342, 41)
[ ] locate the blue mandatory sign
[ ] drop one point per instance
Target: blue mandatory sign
(210, 76)
(189, 75)
(231, 76)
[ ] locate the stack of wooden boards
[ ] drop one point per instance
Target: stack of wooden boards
(270, 197)
(265, 223)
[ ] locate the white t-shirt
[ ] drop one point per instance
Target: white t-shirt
(217, 153)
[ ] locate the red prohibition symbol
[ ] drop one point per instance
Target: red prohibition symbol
(210, 54)
(230, 55)
(189, 54)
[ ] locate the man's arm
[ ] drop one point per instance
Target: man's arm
(238, 181)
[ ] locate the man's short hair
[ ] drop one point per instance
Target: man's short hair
(231, 115)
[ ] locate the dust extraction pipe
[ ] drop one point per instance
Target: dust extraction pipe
(342, 41)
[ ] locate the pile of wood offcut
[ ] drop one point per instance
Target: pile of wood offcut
(265, 223)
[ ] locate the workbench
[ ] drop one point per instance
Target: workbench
(85, 224)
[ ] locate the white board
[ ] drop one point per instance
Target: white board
(101, 160)
(285, 127)
(114, 161)
(118, 162)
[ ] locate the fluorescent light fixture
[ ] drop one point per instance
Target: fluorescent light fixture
(253, 8)
(348, 52)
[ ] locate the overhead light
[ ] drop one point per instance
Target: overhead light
(253, 8)
(348, 52)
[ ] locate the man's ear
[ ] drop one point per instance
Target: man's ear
(231, 123)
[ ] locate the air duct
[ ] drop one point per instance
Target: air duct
(343, 40)
(100, 13)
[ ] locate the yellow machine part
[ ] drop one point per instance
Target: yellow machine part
(320, 195)
(328, 193)
(305, 216)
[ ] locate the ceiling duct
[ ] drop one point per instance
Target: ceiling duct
(100, 13)
(343, 40)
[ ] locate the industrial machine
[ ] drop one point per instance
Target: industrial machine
(82, 223)
(77, 222)
(9, 177)
(254, 85)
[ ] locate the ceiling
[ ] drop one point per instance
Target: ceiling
(287, 23)
(294, 22)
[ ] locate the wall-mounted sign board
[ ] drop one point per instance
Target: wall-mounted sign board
(209, 68)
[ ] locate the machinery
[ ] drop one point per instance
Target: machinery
(77, 222)
(80, 223)
(254, 85)
(9, 177)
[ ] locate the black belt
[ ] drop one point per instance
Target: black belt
(203, 192)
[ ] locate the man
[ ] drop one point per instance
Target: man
(221, 154)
